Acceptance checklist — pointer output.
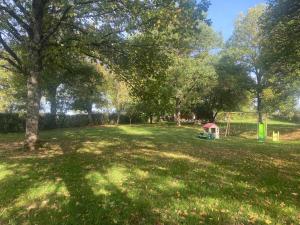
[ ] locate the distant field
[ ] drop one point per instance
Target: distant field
(150, 174)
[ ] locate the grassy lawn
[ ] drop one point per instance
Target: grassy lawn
(149, 175)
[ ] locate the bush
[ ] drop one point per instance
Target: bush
(14, 122)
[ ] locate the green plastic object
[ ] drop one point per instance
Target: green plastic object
(261, 132)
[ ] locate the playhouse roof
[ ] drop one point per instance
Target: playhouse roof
(210, 125)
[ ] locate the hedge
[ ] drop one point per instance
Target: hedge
(14, 122)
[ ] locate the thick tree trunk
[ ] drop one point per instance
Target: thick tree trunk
(33, 108)
(35, 72)
(178, 112)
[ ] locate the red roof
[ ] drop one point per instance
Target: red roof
(210, 125)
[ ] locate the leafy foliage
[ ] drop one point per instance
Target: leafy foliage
(12, 91)
(281, 53)
(247, 41)
(230, 90)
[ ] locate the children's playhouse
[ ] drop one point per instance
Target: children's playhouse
(211, 131)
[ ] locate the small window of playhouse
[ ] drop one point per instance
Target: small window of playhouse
(213, 130)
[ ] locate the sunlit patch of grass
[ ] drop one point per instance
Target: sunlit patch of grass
(171, 155)
(5, 171)
(135, 130)
(141, 174)
(169, 183)
(117, 175)
(98, 183)
(90, 147)
(38, 196)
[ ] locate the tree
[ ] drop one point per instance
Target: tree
(184, 74)
(230, 90)
(25, 31)
(85, 89)
(117, 92)
(281, 53)
(281, 48)
(132, 110)
(190, 78)
(186, 33)
(144, 71)
(247, 40)
(58, 71)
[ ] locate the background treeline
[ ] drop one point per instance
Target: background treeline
(15, 122)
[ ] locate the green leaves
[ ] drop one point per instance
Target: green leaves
(281, 51)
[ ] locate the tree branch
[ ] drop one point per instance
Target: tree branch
(21, 8)
(12, 30)
(11, 62)
(55, 28)
(85, 2)
(9, 50)
(13, 14)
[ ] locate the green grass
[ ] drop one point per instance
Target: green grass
(148, 175)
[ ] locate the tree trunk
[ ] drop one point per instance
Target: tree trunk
(151, 119)
(33, 108)
(214, 117)
(35, 71)
(130, 121)
(178, 112)
(259, 108)
(52, 100)
(90, 117)
(259, 89)
(53, 105)
(118, 117)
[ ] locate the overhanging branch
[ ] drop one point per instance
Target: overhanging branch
(9, 50)
(11, 62)
(12, 30)
(14, 15)
(21, 8)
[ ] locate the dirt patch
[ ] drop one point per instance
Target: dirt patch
(10, 146)
(292, 136)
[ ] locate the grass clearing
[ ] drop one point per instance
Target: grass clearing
(149, 175)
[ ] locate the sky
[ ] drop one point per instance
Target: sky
(224, 12)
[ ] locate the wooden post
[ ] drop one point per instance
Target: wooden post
(228, 124)
(266, 128)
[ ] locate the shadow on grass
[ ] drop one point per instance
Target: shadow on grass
(148, 175)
